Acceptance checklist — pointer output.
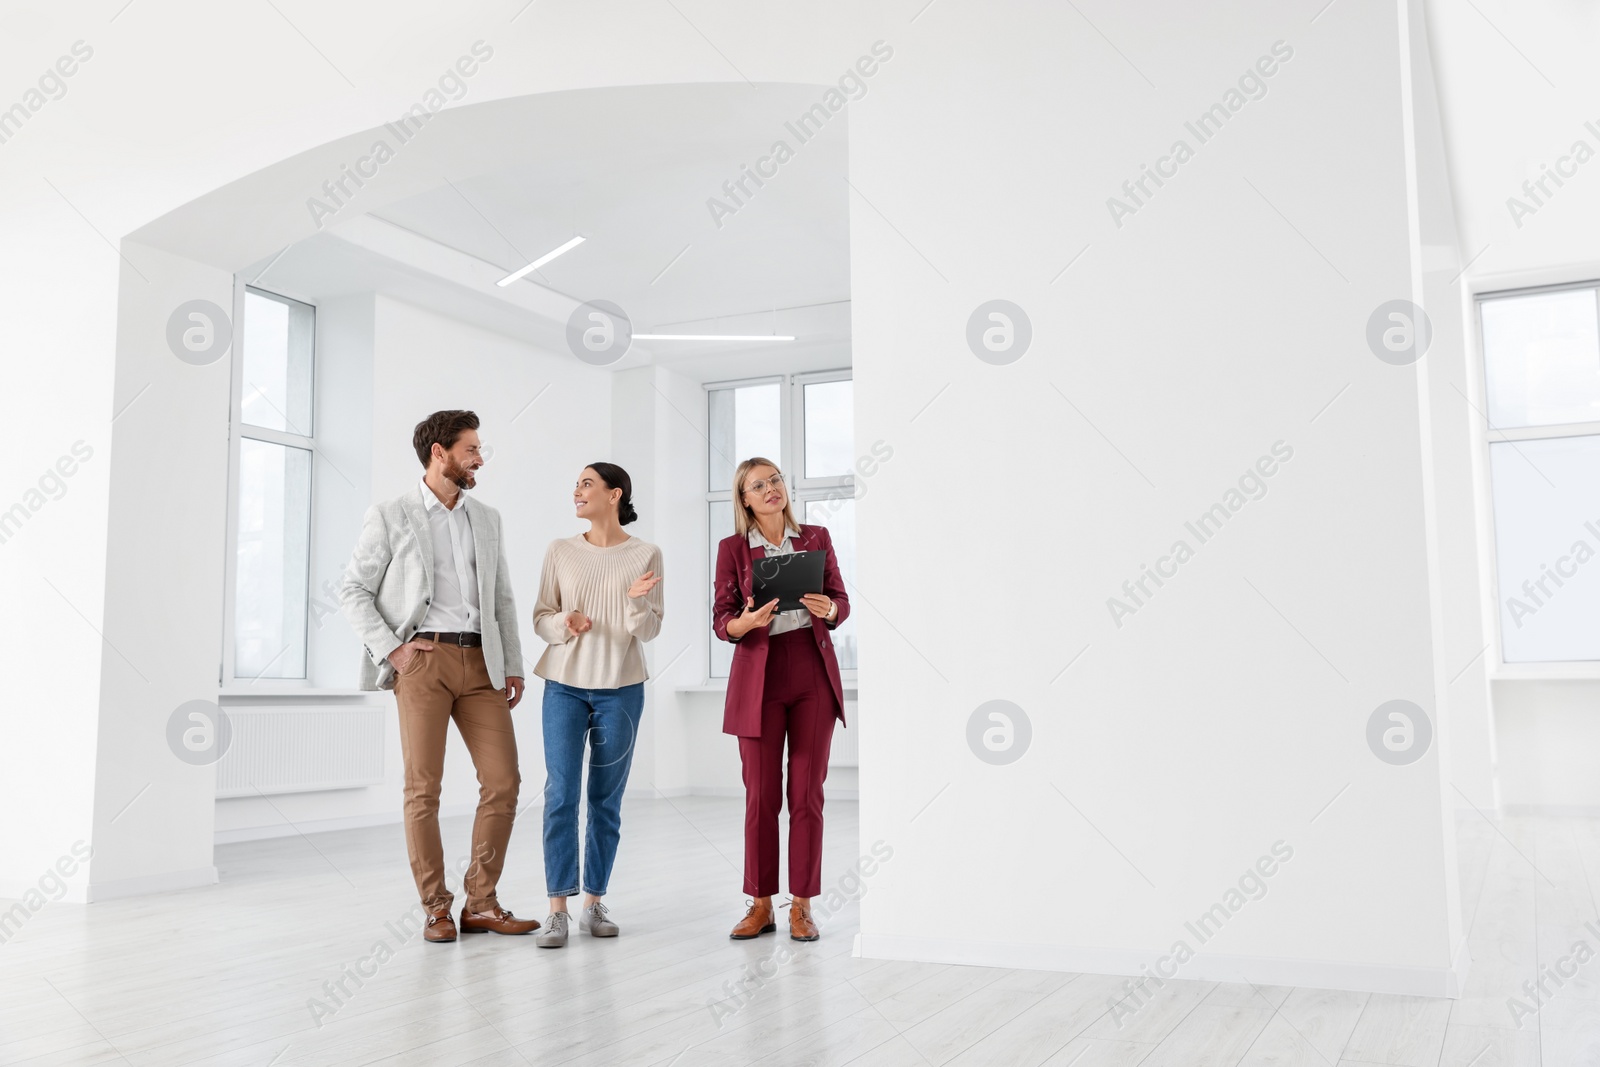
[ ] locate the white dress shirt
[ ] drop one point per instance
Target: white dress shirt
(782, 621)
(455, 607)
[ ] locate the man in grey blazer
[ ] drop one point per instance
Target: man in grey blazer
(428, 593)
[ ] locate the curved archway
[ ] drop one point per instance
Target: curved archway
(398, 235)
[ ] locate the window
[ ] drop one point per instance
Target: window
(270, 519)
(805, 424)
(1541, 354)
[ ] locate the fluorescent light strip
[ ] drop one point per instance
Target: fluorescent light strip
(541, 261)
(712, 337)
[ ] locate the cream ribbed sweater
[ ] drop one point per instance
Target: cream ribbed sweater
(578, 576)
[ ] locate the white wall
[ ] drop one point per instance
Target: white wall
(659, 420)
(1221, 318)
(1549, 733)
(1449, 377)
(1509, 117)
(342, 486)
(168, 458)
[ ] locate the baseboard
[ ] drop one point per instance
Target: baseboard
(1260, 970)
(75, 893)
(148, 884)
(241, 834)
(392, 818)
(323, 826)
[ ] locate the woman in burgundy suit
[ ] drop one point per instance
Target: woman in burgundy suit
(784, 687)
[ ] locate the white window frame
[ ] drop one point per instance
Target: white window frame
(238, 431)
(791, 460)
(1484, 436)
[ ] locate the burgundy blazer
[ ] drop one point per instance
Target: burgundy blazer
(742, 713)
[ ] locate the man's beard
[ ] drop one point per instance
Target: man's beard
(460, 475)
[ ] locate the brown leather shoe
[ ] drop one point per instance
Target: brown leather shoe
(756, 921)
(500, 921)
(801, 928)
(440, 927)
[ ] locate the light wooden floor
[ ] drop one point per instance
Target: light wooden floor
(223, 975)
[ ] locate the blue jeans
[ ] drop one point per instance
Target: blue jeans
(609, 720)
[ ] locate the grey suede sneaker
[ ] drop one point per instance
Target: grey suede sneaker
(594, 921)
(554, 934)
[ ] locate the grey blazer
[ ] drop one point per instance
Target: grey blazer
(388, 586)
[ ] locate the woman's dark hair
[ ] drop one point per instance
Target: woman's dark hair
(617, 478)
(444, 427)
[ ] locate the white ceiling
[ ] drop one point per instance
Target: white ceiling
(652, 245)
(1517, 84)
(482, 190)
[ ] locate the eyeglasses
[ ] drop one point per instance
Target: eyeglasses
(775, 482)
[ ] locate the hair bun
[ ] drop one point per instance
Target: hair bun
(625, 513)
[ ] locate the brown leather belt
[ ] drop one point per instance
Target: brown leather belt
(464, 640)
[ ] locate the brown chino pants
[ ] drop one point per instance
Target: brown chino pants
(444, 683)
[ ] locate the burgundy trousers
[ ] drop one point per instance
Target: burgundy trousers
(797, 708)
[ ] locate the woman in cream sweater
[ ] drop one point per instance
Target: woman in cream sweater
(599, 598)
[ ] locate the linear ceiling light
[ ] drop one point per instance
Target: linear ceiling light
(541, 261)
(712, 337)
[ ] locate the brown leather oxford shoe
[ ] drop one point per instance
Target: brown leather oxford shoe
(756, 921)
(500, 921)
(440, 928)
(801, 927)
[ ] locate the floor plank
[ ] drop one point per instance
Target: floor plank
(307, 954)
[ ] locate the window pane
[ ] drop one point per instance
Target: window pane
(744, 422)
(719, 524)
(1541, 358)
(269, 627)
(278, 337)
(830, 429)
(1546, 495)
(838, 514)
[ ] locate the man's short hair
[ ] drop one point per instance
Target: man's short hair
(443, 427)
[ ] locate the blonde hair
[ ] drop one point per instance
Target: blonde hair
(743, 520)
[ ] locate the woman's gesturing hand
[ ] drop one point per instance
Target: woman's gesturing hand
(752, 617)
(643, 584)
(578, 623)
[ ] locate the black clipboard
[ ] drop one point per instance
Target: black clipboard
(787, 576)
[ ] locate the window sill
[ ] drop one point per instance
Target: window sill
(288, 695)
(1546, 672)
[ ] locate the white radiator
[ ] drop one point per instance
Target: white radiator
(301, 749)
